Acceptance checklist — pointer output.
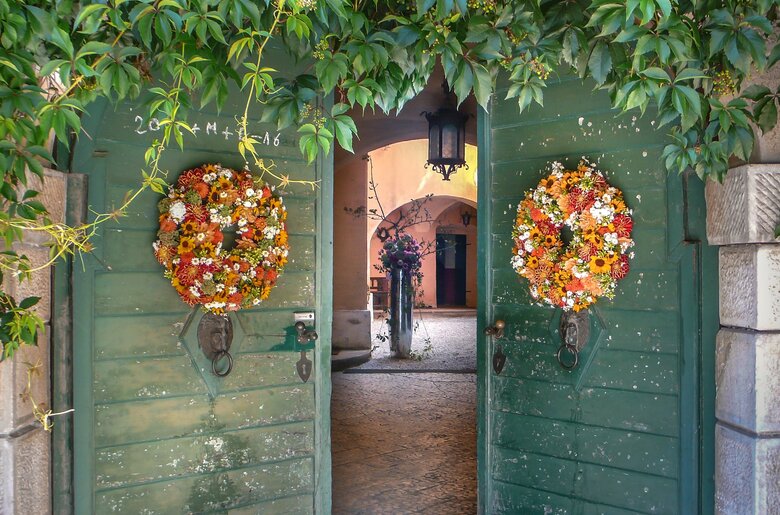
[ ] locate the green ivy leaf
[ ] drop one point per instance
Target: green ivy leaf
(765, 114)
(655, 73)
(755, 92)
(600, 62)
(483, 86)
(774, 56)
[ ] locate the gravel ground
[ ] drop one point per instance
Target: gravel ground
(451, 342)
(404, 443)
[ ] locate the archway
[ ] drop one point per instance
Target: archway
(444, 221)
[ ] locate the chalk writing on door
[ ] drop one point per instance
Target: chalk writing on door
(211, 130)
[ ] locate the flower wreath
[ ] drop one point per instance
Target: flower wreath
(205, 201)
(572, 276)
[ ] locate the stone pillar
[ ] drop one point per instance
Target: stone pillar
(351, 316)
(25, 448)
(742, 215)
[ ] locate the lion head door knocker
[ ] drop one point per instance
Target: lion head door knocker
(215, 335)
(575, 332)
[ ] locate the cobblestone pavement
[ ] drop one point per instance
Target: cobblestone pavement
(452, 346)
(406, 442)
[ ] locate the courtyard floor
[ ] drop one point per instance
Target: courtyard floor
(404, 437)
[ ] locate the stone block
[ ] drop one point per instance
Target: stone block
(15, 409)
(750, 287)
(746, 473)
(6, 476)
(746, 207)
(26, 356)
(31, 475)
(25, 485)
(352, 329)
(747, 380)
(7, 395)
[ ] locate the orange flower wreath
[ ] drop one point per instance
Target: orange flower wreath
(572, 276)
(206, 201)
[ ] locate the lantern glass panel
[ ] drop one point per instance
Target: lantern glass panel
(462, 141)
(449, 143)
(433, 141)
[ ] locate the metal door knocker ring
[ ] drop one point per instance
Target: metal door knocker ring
(571, 349)
(217, 358)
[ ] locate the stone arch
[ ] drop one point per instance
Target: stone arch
(415, 181)
(445, 216)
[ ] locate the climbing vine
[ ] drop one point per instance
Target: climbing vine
(683, 62)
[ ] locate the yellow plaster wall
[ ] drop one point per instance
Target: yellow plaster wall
(400, 175)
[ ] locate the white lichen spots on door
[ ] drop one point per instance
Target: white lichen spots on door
(150, 391)
(216, 443)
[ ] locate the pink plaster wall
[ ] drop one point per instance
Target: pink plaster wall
(447, 212)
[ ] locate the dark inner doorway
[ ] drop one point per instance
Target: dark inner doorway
(450, 270)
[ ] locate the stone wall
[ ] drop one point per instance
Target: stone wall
(25, 448)
(742, 214)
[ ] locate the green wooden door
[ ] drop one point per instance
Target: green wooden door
(154, 433)
(629, 430)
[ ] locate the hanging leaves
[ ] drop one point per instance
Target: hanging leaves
(684, 63)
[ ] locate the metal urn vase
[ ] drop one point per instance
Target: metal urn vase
(401, 299)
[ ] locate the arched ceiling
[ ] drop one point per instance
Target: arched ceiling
(434, 209)
(376, 129)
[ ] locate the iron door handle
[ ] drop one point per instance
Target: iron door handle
(304, 335)
(497, 329)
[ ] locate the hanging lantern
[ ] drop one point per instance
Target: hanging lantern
(466, 218)
(446, 138)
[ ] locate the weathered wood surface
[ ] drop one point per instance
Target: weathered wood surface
(158, 442)
(606, 439)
